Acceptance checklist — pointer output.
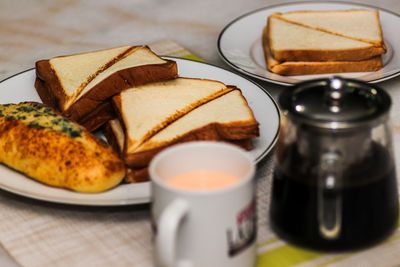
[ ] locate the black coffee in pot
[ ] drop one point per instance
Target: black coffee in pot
(369, 204)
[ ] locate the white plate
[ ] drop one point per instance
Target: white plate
(20, 88)
(239, 43)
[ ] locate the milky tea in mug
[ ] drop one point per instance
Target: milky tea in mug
(203, 206)
(202, 180)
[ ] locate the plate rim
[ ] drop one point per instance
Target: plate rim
(227, 61)
(139, 200)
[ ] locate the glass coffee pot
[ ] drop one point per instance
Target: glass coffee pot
(334, 185)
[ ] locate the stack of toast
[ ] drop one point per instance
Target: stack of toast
(142, 103)
(80, 86)
(315, 42)
(157, 115)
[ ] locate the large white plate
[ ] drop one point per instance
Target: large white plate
(20, 88)
(239, 43)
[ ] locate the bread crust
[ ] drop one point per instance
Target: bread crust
(313, 55)
(305, 67)
(211, 132)
(48, 86)
(80, 163)
(327, 55)
(140, 172)
(138, 175)
(91, 121)
(98, 117)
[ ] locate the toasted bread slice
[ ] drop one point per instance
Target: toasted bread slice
(69, 75)
(357, 24)
(75, 72)
(294, 42)
(145, 110)
(226, 118)
(133, 66)
(40, 143)
(316, 67)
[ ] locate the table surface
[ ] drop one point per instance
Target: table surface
(32, 30)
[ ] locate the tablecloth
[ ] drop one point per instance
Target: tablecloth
(38, 234)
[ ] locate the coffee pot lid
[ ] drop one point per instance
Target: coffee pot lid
(335, 103)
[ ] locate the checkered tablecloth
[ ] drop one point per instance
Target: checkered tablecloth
(37, 234)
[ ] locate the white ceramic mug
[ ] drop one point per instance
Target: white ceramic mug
(212, 228)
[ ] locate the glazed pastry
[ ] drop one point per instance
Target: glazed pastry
(49, 148)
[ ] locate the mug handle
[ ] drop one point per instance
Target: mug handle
(329, 198)
(168, 225)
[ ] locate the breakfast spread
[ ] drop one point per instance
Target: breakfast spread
(122, 126)
(314, 42)
(144, 106)
(40, 143)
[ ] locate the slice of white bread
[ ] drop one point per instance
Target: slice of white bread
(138, 56)
(72, 73)
(75, 72)
(293, 42)
(123, 68)
(227, 118)
(358, 24)
(145, 110)
(316, 67)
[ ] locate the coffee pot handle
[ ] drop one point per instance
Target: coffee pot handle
(329, 197)
(167, 229)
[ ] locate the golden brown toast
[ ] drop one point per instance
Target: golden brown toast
(302, 38)
(120, 68)
(225, 118)
(316, 67)
(145, 110)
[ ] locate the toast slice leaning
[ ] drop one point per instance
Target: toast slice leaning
(315, 67)
(357, 24)
(77, 84)
(294, 42)
(67, 76)
(225, 118)
(145, 110)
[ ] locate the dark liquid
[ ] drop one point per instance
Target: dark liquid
(369, 202)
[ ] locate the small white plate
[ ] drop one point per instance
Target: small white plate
(20, 87)
(239, 43)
